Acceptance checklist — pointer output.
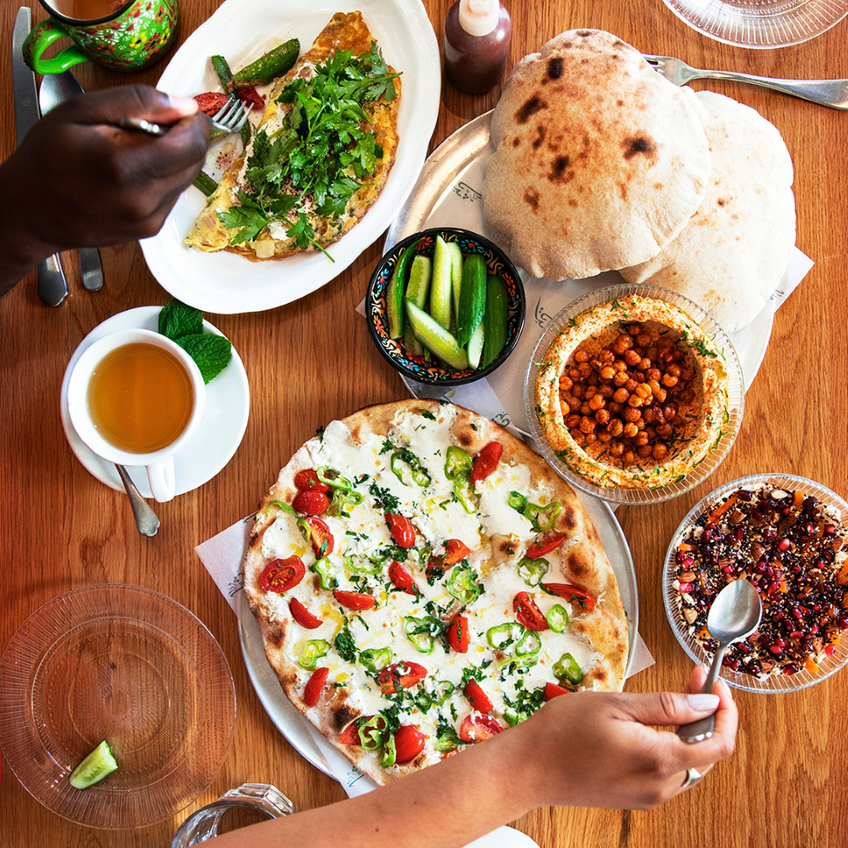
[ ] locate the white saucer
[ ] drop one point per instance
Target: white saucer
(221, 430)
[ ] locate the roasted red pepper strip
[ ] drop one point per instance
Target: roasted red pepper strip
(302, 615)
(315, 686)
(528, 613)
(280, 575)
(572, 594)
(544, 546)
(486, 461)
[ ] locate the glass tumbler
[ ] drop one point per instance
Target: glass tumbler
(249, 804)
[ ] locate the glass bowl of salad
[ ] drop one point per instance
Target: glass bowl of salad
(445, 306)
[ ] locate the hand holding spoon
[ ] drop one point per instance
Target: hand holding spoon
(145, 518)
(735, 614)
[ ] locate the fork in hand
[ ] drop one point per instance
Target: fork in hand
(832, 93)
(230, 118)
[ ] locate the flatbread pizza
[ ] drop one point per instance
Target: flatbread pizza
(423, 580)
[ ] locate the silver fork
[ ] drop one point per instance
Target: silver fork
(230, 118)
(832, 93)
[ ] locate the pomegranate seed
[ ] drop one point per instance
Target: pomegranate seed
(783, 545)
(829, 529)
(795, 634)
(830, 649)
(776, 650)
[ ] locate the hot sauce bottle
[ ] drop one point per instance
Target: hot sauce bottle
(477, 36)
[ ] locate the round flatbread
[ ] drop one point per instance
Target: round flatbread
(407, 618)
(598, 160)
(732, 254)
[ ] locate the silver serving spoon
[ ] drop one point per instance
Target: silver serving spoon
(56, 89)
(145, 518)
(735, 614)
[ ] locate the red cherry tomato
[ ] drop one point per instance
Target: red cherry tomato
(475, 728)
(302, 615)
(486, 461)
(572, 594)
(211, 102)
(458, 635)
(354, 600)
(553, 691)
(455, 551)
(403, 674)
(250, 95)
(315, 686)
(478, 698)
(320, 536)
(409, 743)
(401, 529)
(307, 481)
(282, 574)
(528, 613)
(310, 502)
(544, 546)
(401, 578)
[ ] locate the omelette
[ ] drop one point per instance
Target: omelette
(286, 193)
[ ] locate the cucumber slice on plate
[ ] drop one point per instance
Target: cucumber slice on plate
(495, 318)
(472, 298)
(97, 765)
(441, 293)
(475, 346)
(416, 290)
(456, 273)
(435, 337)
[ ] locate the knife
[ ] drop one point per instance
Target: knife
(52, 284)
(55, 89)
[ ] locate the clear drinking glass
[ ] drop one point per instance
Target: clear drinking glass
(250, 804)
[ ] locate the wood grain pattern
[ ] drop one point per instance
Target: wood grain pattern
(62, 529)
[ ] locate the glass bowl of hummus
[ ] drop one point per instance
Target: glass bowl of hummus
(788, 536)
(634, 394)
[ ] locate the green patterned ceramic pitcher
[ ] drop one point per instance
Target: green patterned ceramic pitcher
(134, 36)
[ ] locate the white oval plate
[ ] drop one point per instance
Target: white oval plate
(242, 30)
(221, 430)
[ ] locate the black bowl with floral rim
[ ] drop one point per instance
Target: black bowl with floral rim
(418, 367)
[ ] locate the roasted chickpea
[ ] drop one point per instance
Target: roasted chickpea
(629, 458)
(597, 402)
(664, 430)
(669, 380)
(661, 394)
(644, 364)
(622, 343)
(585, 409)
(660, 452)
(565, 382)
(607, 372)
(620, 378)
(590, 439)
(587, 425)
(615, 427)
(590, 391)
(635, 401)
(687, 396)
(604, 438)
(606, 391)
(631, 385)
(578, 390)
(640, 439)
(643, 340)
(585, 369)
(578, 437)
(572, 421)
(644, 391)
(673, 369)
(581, 356)
(602, 416)
(616, 449)
(644, 451)
(621, 395)
(630, 430)
(574, 374)
(619, 365)
(574, 403)
(631, 357)
(669, 412)
(631, 414)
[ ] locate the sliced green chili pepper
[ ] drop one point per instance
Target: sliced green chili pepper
(422, 632)
(343, 502)
(312, 652)
(423, 701)
(542, 517)
(322, 569)
(511, 717)
(465, 494)
(362, 565)
(457, 463)
(502, 635)
(419, 474)
(528, 645)
(389, 753)
(446, 741)
(281, 505)
(375, 659)
(462, 585)
(557, 617)
(332, 478)
(566, 668)
(444, 689)
(531, 571)
(517, 501)
(371, 734)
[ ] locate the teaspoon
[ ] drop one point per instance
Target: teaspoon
(735, 614)
(145, 518)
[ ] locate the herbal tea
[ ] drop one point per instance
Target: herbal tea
(86, 10)
(140, 398)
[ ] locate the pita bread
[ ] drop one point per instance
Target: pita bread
(596, 634)
(731, 256)
(598, 160)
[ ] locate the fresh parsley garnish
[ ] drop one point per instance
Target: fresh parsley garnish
(344, 645)
(320, 156)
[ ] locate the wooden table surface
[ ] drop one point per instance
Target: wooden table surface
(312, 360)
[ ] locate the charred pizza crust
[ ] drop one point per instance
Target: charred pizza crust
(579, 560)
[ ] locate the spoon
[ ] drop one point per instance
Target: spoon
(145, 518)
(56, 89)
(735, 614)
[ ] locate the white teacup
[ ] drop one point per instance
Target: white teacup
(159, 463)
